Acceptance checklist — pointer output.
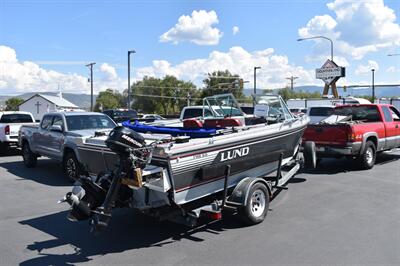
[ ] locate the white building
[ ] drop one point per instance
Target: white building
(40, 104)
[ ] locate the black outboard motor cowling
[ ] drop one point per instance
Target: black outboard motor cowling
(123, 139)
(101, 196)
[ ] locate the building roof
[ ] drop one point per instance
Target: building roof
(60, 102)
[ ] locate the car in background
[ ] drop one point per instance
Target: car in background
(298, 111)
(10, 123)
(152, 117)
(56, 136)
(319, 113)
(121, 115)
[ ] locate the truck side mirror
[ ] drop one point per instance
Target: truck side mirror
(56, 128)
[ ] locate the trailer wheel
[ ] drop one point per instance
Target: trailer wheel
(257, 205)
(310, 155)
(30, 159)
(366, 160)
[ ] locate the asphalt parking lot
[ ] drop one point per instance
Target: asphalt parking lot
(332, 215)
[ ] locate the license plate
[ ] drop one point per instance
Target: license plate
(320, 148)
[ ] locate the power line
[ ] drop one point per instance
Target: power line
(161, 87)
(166, 97)
(292, 78)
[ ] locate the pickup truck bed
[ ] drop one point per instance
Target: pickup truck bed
(10, 123)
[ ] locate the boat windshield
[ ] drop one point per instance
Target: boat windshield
(272, 107)
(223, 105)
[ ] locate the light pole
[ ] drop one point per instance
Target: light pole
(373, 85)
(129, 77)
(255, 83)
(319, 37)
(90, 65)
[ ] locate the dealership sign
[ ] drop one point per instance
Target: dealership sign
(330, 72)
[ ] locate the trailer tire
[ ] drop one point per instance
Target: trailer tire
(257, 204)
(71, 167)
(30, 158)
(310, 155)
(366, 160)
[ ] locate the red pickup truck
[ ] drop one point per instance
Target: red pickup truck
(356, 131)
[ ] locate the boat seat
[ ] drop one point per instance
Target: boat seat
(192, 123)
(222, 122)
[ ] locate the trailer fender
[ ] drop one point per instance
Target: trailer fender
(241, 191)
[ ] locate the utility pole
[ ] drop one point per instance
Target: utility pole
(188, 99)
(90, 65)
(129, 77)
(373, 85)
(255, 85)
(292, 79)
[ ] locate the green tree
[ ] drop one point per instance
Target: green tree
(164, 96)
(219, 82)
(13, 103)
(287, 94)
(108, 99)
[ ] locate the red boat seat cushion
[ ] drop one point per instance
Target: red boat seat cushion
(192, 123)
(225, 122)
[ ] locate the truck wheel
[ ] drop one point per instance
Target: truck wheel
(257, 205)
(71, 167)
(367, 159)
(30, 159)
(310, 155)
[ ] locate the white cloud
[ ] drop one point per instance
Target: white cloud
(392, 69)
(235, 30)
(196, 28)
(339, 60)
(27, 76)
(359, 27)
(366, 69)
(109, 71)
(273, 72)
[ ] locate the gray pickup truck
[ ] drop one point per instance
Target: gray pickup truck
(55, 138)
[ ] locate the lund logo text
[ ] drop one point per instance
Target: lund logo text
(229, 155)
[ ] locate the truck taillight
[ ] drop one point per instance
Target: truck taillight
(352, 137)
(7, 130)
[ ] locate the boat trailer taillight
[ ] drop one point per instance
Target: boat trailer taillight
(211, 214)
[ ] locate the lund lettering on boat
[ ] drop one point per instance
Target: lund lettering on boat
(229, 155)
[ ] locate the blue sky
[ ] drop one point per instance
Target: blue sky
(44, 43)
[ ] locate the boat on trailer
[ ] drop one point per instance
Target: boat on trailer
(169, 174)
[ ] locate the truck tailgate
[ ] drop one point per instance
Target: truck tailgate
(323, 134)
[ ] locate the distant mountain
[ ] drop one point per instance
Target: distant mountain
(81, 100)
(393, 91)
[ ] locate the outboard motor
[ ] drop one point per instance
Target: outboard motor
(96, 200)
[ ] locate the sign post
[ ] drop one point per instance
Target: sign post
(330, 73)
